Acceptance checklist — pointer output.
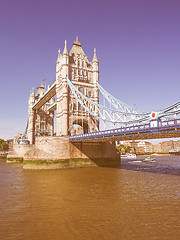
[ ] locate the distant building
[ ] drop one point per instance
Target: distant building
(169, 145)
(145, 147)
(141, 147)
(157, 148)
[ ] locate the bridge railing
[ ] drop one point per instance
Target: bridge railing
(155, 126)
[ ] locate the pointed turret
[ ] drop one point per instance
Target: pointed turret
(32, 96)
(65, 52)
(58, 62)
(95, 57)
(31, 118)
(95, 65)
(65, 62)
(59, 54)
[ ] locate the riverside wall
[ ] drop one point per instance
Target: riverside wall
(57, 152)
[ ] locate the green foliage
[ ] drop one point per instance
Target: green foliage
(122, 148)
(3, 145)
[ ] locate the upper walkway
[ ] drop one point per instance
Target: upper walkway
(48, 94)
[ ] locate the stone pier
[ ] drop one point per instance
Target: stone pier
(57, 152)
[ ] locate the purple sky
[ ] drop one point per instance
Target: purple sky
(137, 42)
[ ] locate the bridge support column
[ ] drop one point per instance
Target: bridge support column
(31, 128)
(31, 118)
(52, 123)
(62, 123)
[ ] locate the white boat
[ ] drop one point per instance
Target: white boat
(149, 159)
(130, 155)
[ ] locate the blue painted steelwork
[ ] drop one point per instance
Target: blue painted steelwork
(153, 127)
(104, 113)
(119, 104)
(166, 112)
(122, 113)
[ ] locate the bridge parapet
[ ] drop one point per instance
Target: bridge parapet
(151, 130)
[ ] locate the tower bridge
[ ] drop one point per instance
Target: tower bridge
(69, 126)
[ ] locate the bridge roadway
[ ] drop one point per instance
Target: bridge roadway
(152, 130)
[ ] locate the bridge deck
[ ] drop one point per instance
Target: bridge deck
(166, 129)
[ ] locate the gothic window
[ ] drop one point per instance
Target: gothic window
(72, 73)
(71, 107)
(75, 106)
(81, 90)
(89, 93)
(80, 108)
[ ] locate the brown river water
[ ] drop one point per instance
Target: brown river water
(135, 201)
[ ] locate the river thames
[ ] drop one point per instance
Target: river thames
(135, 201)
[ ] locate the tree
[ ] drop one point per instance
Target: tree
(3, 145)
(123, 148)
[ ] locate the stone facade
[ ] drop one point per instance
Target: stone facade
(40, 121)
(57, 152)
(70, 115)
(48, 149)
(169, 145)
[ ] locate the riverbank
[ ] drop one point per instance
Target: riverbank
(154, 154)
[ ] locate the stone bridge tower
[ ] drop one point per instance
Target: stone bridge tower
(71, 118)
(40, 121)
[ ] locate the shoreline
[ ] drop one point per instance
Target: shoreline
(156, 154)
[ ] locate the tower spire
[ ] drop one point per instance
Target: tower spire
(77, 43)
(95, 57)
(65, 48)
(59, 53)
